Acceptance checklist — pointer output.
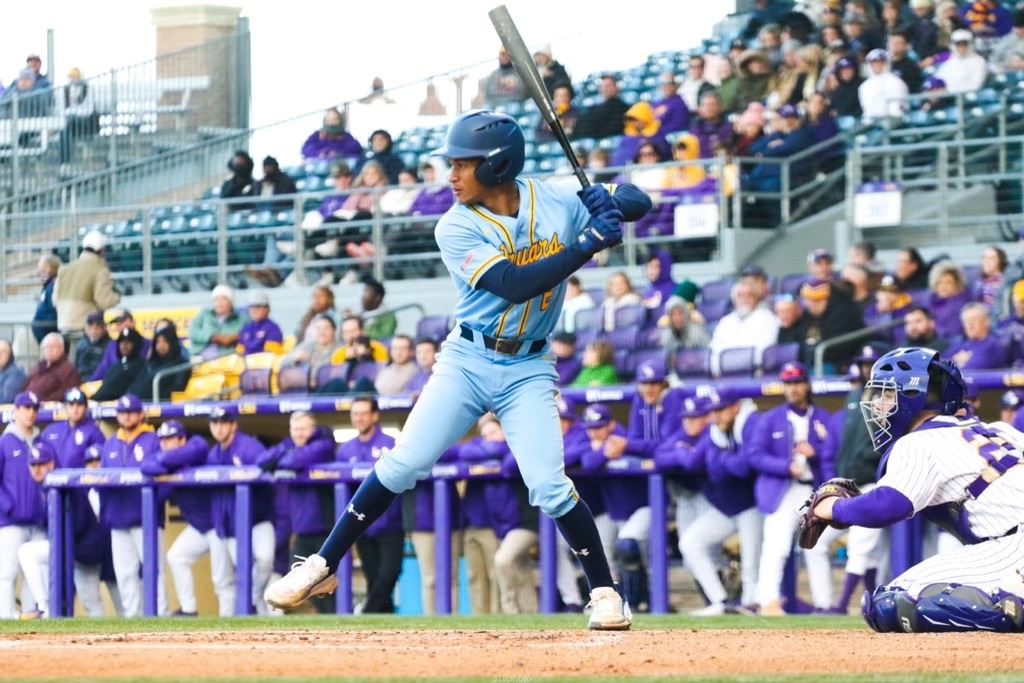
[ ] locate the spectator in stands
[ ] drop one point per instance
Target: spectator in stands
(750, 323)
(35, 63)
(770, 38)
(352, 328)
(682, 327)
(316, 352)
(860, 39)
(788, 136)
(923, 30)
(426, 357)
(44, 320)
(1011, 326)
(843, 89)
(598, 367)
(749, 127)
(1006, 53)
(398, 200)
(659, 276)
(332, 140)
(856, 281)
(358, 206)
(215, 330)
(651, 178)
(911, 271)
(755, 73)
(381, 151)
(81, 120)
(321, 303)
(823, 127)
(503, 85)
(863, 254)
(260, 333)
(892, 17)
(383, 322)
(306, 445)
(989, 284)
(986, 19)
(130, 363)
(694, 85)
(965, 70)
(603, 120)
(671, 110)
(820, 263)
(33, 101)
(342, 178)
(948, 296)
(824, 318)
(91, 347)
(436, 197)
(119, 321)
(54, 374)
(241, 182)
(274, 181)
(567, 365)
(883, 94)
(711, 126)
(84, 286)
(640, 127)
(890, 304)
(754, 276)
(551, 71)
(728, 87)
(597, 162)
(165, 353)
(796, 81)
(947, 19)
(787, 313)
(394, 379)
(12, 377)
(979, 349)
(360, 368)
(567, 114)
(618, 294)
(901, 63)
(690, 173)
(919, 329)
(576, 299)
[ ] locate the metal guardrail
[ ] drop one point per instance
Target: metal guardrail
(864, 333)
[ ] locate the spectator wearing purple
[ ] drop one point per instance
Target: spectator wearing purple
(711, 126)
(640, 126)
(823, 127)
(788, 137)
(979, 349)
(990, 282)
(843, 89)
(671, 110)
(436, 197)
(603, 120)
(755, 73)
(260, 329)
(923, 30)
(332, 140)
(890, 304)
(567, 365)
(901, 64)
(965, 70)
(986, 19)
(659, 274)
(948, 297)
(426, 356)
(568, 115)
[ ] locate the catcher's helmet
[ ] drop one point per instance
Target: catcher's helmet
(905, 382)
(495, 138)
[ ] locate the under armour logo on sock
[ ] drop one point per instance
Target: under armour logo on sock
(358, 515)
(582, 552)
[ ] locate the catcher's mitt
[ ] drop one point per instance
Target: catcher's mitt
(811, 527)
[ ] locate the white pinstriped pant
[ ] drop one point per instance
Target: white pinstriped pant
(987, 565)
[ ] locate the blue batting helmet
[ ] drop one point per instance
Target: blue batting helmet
(904, 383)
(495, 138)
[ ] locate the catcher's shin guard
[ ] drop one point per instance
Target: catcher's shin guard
(941, 608)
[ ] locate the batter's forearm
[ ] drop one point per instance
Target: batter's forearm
(879, 508)
(631, 201)
(519, 284)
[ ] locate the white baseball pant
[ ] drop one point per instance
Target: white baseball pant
(779, 531)
(126, 547)
(34, 558)
(11, 539)
(188, 547)
(224, 560)
(701, 545)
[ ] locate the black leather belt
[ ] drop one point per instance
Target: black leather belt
(508, 347)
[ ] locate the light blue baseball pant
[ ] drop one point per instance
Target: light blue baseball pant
(469, 380)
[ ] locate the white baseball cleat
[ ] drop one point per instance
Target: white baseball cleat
(609, 612)
(713, 610)
(307, 579)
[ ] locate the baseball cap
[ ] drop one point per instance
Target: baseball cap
(820, 255)
(75, 395)
(793, 373)
(878, 55)
(788, 111)
(170, 429)
(867, 354)
(753, 271)
(26, 399)
(596, 415)
(722, 397)
(961, 35)
(1011, 399)
(888, 284)
(845, 63)
(221, 414)
(224, 291)
(816, 289)
(120, 315)
(93, 453)
(94, 318)
(696, 406)
(649, 373)
(129, 403)
(42, 454)
(566, 408)
(95, 240)
(258, 298)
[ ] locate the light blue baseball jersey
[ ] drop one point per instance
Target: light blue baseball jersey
(472, 240)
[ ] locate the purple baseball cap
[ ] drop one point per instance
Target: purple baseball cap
(42, 454)
(170, 429)
(650, 373)
(93, 453)
(867, 354)
(845, 63)
(26, 399)
(788, 111)
(722, 397)
(696, 406)
(793, 373)
(596, 415)
(566, 408)
(129, 403)
(1011, 399)
(221, 414)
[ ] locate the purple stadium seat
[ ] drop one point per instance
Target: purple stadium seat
(255, 381)
(584, 337)
(367, 371)
(630, 316)
(655, 357)
(623, 365)
(329, 373)
(589, 319)
(716, 290)
(714, 310)
(790, 284)
(737, 362)
(919, 297)
(293, 379)
(625, 338)
(649, 338)
(777, 355)
(693, 363)
(433, 327)
(597, 294)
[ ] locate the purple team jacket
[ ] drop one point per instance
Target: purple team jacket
(19, 494)
(432, 201)
(70, 442)
(576, 443)
(491, 503)
(622, 495)
(194, 502)
(243, 450)
(679, 448)
(254, 336)
(771, 451)
(729, 485)
(673, 114)
(316, 147)
(306, 504)
(370, 451)
(121, 508)
(649, 425)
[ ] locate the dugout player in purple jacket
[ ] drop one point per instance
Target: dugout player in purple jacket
(729, 489)
(625, 499)
(380, 547)
(309, 506)
(792, 451)
(121, 508)
(18, 493)
(179, 451)
(654, 412)
(234, 448)
(71, 438)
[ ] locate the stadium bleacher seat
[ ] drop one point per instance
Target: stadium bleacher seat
(623, 338)
(693, 363)
(630, 316)
(293, 379)
(737, 362)
(589, 319)
(256, 381)
(433, 327)
(777, 355)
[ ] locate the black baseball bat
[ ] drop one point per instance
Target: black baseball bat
(522, 60)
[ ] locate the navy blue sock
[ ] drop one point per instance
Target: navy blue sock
(370, 501)
(579, 530)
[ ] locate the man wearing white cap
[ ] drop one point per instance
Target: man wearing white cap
(214, 331)
(884, 93)
(965, 70)
(84, 286)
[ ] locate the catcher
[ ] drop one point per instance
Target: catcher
(962, 474)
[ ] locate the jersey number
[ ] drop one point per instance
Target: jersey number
(546, 300)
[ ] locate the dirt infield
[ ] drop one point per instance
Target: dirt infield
(512, 655)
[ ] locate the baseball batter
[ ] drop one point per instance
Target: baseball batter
(959, 471)
(509, 244)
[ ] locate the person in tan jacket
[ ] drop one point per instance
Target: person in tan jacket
(84, 286)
